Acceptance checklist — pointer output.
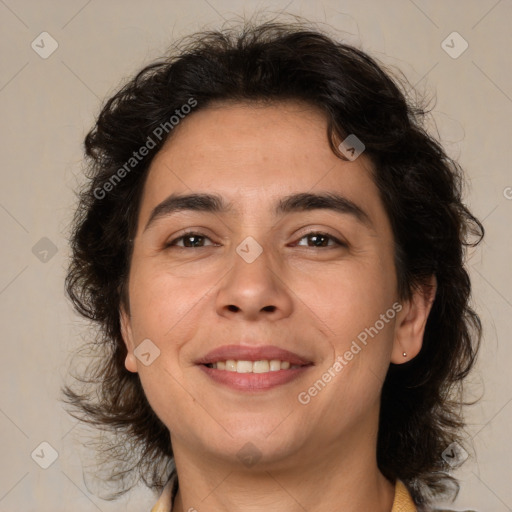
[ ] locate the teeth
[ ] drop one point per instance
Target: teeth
(244, 367)
(230, 365)
(262, 366)
(275, 365)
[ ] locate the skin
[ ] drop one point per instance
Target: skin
(316, 457)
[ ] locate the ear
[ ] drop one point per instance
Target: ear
(411, 321)
(126, 331)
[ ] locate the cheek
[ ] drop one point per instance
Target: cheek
(360, 318)
(164, 309)
(164, 303)
(348, 296)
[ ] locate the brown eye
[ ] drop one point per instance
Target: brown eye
(320, 239)
(190, 240)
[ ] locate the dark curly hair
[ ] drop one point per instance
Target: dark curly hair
(420, 186)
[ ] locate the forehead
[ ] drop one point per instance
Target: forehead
(250, 136)
(252, 154)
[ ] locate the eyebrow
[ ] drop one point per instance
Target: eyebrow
(304, 201)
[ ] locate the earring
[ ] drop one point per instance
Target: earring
(405, 354)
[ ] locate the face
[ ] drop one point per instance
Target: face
(310, 277)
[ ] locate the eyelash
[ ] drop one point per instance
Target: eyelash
(195, 233)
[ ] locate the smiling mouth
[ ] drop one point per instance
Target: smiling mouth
(253, 368)
(261, 366)
(253, 376)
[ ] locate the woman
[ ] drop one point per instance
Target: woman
(273, 250)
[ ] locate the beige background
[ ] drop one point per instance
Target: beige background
(49, 104)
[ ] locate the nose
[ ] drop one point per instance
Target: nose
(254, 290)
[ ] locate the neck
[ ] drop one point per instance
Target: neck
(344, 477)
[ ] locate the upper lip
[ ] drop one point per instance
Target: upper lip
(251, 353)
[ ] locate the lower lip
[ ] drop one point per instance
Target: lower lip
(253, 381)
